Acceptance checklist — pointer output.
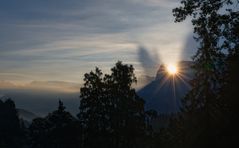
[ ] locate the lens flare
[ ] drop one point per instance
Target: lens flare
(172, 69)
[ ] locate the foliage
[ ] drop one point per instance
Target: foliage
(11, 130)
(58, 129)
(111, 112)
(205, 110)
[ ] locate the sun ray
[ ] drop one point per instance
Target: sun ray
(172, 69)
(173, 75)
(182, 79)
(165, 79)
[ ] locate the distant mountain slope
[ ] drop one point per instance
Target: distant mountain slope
(42, 102)
(26, 115)
(164, 94)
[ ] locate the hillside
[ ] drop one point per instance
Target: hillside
(164, 94)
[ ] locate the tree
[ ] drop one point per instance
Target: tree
(215, 23)
(93, 110)
(58, 129)
(111, 112)
(128, 108)
(229, 96)
(11, 131)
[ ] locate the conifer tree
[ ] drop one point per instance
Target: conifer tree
(58, 129)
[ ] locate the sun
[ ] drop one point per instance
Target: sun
(172, 69)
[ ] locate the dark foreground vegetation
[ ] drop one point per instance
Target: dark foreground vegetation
(112, 115)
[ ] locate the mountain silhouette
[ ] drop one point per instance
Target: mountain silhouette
(26, 115)
(164, 94)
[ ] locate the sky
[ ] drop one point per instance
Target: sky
(52, 43)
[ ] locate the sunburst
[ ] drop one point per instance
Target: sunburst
(172, 69)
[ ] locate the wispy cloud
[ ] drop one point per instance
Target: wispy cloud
(61, 40)
(45, 86)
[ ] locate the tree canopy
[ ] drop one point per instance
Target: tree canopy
(111, 112)
(206, 115)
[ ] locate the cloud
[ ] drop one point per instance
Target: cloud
(46, 86)
(36, 20)
(7, 85)
(27, 24)
(149, 60)
(189, 48)
(49, 45)
(61, 40)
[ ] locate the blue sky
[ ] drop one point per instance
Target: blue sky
(60, 40)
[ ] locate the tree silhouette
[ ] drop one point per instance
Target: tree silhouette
(58, 129)
(111, 112)
(11, 131)
(215, 25)
(229, 96)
